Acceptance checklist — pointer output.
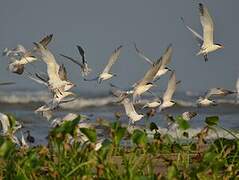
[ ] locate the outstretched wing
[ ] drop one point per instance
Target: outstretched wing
(207, 24)
(171, 88)
(72, 60)
(62, 73)
(113, 58)
(197, 36)
(82, 53)
(46, 40)
(141, 54)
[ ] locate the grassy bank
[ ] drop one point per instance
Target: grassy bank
(75, 152)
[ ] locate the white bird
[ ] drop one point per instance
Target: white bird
(85, 70)
(26, 56)
(167, 97)
(147, 81)
(166, 59)
(56, 74)
(130, 111)
(218, 92)
(153, 104)
(105, 74)
(206, 42)
(204, 102)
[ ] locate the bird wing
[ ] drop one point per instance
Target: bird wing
(151, 73)
(211, 92)
(49, 59)
(167, 56)
(62, 73)
(207, 24)
(6, 83)
(112, 59)
(129, 107)
(197, 36)
(82, 53)
(171, 88)
(72, 60)
(141, 54)
(46, 40)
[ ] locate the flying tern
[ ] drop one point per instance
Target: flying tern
(130, 111)
(204, 102)
(147, 81)
(218, 92)
(56, 73)
(206, 42)
(167, 97)
(85, 70)
(166, 59)
(105, 74)
(19, 57)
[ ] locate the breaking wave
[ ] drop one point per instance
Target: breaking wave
(26, 97)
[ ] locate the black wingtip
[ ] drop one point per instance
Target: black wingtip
(201, 8)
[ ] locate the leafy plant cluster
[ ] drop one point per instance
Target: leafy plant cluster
(122, 154)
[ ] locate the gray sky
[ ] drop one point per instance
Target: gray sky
(101, 26)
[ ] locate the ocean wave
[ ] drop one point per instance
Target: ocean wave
(25, 97)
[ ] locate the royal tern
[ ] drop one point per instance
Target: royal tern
(147, 81)
(204, 102)
(206, 42)
(167, 97)
(24, 56)
(130, 111)
(166, 59)
(218, 92)
(105, 74)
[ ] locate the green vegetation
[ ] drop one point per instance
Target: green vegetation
(122, 154)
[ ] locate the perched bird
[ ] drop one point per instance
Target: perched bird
(166, 59)
(130, 111)
(218, 92)
(85, 70)
(206, 42)
(167, 97)
(24, 56)
(204, 102)
(105, 74)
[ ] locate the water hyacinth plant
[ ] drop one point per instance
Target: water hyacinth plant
(75, 152)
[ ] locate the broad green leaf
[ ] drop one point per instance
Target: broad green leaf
(139, 137)
(172, 172)
(89, 133)
(68, 127)
(183, 124)
(119, 134)
(212, 120)
(5, 148)
(209, 157)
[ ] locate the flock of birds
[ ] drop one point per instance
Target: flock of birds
(60, 86)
